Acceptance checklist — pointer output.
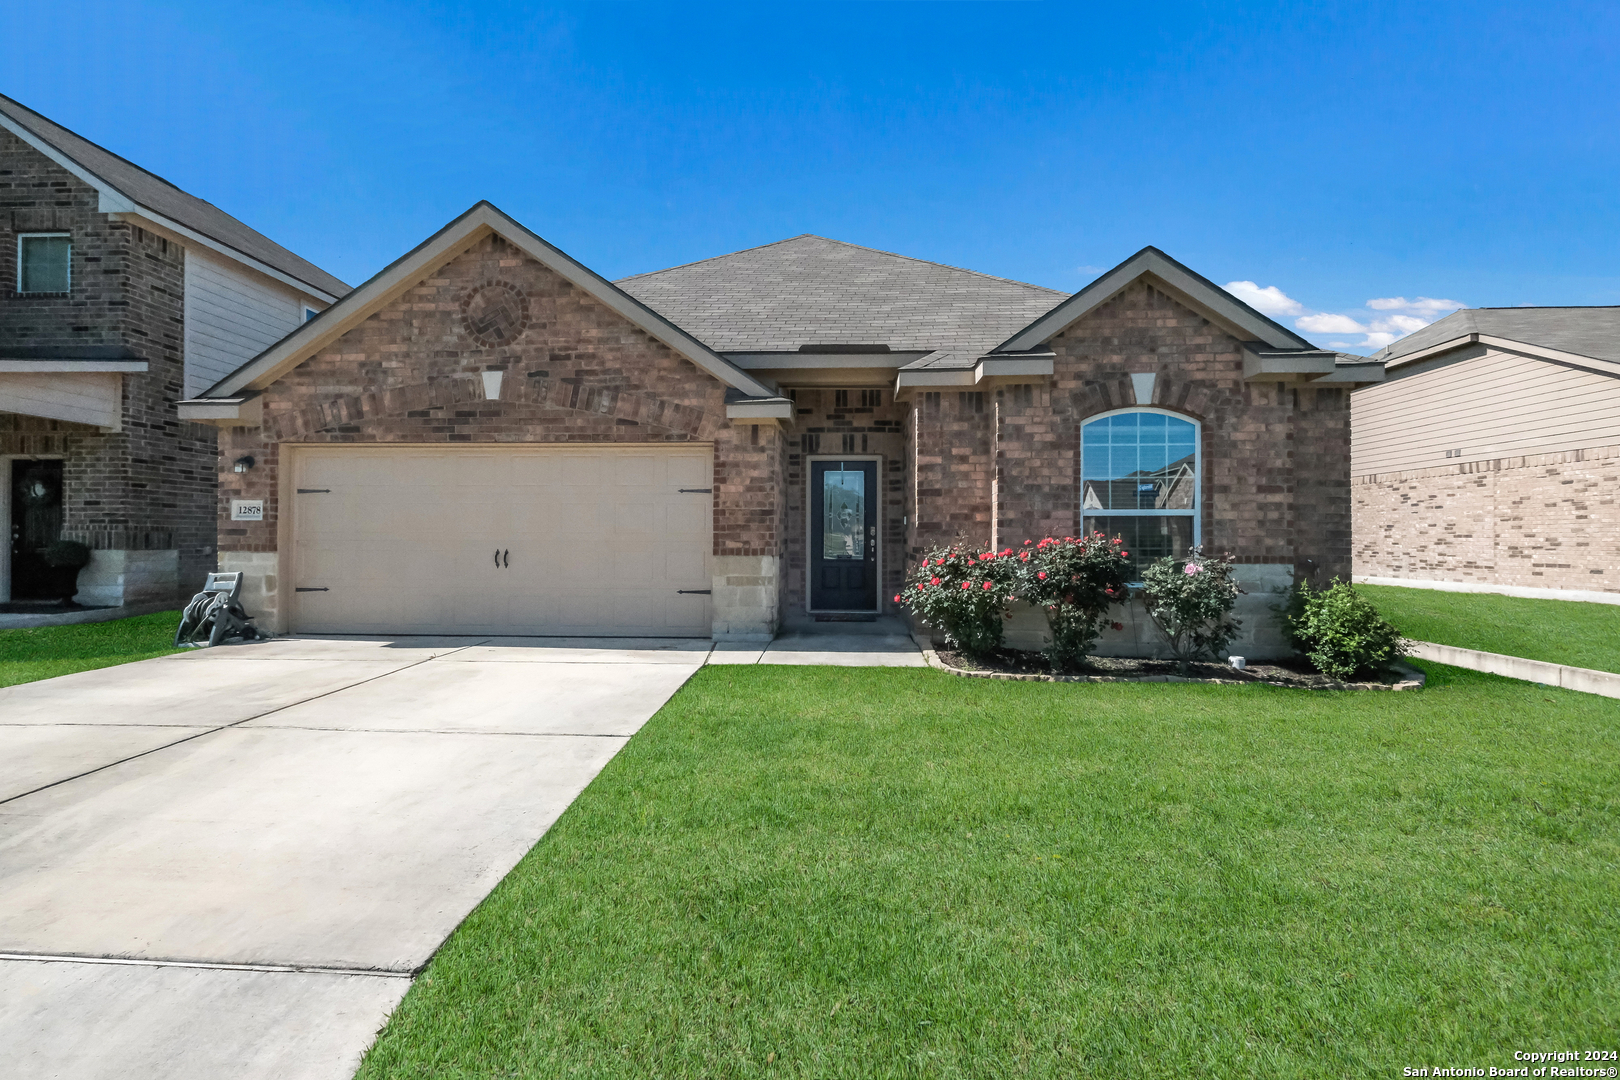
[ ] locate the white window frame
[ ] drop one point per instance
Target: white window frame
(1197, 511)
(309, 313)
(37, 236)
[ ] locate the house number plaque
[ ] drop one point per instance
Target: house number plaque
(247, 509)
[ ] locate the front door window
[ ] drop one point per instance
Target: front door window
(843, 571)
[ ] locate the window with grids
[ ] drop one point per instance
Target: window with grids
(1139, 481)
(44, 262)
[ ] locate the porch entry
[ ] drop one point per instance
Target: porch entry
(843, 536)
(36, 523)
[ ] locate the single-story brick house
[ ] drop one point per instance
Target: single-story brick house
(487, 437)
(1490, 460)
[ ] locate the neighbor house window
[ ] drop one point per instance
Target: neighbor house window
(310, 313)
(43, 261)
(1139, 481)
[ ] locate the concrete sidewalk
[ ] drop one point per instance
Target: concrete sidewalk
(879, 642)
(231, 862)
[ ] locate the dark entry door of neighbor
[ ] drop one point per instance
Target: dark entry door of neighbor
(843, 535)
(36, 523)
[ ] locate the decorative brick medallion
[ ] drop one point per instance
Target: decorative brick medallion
(495, 313)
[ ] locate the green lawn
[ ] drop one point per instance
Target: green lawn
(27, 655)
(819, 872)
(1558, 631)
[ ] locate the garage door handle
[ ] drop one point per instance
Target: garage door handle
(322, 588)
(497, 558)
(314, 491)
(692, 592)
(506, 557)
(695, 491)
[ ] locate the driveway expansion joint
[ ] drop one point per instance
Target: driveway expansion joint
(207, 965)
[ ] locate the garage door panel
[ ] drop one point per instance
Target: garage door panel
(688, 470)
(590, 540)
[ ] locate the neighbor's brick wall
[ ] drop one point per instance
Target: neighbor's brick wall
(1002, 465)
(1548, 521)
(579, 372)
(152, 484)
(824, 427)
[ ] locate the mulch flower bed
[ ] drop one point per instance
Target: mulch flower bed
(1297, 675)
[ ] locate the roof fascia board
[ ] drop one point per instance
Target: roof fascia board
(925, 377)
(1189, 287)
(773, 408)
(223, 412)
(1355, 374)
(1267, 365)
(110, 200)
(409, 269)
(133, 367)
(137, 214)
(1520, 348)
(1011, 367)
(797, 361)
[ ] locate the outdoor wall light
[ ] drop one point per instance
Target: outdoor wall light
(243, 464)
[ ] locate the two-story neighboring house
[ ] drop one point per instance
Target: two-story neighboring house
(120, 294)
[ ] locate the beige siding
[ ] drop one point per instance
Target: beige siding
(83, 398)
(1498, 405)
(232, 315)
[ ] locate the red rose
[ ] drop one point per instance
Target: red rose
(920, 585)
(1026, 543)
(931, 581)
(897, 596)
(967, 585)
(987, 586)
(1124, 554)
(1041, 575)
(1119, 626)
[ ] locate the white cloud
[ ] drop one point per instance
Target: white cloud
(1268, 301)
(1391, 317)
(1329, 323)
(1423, 305)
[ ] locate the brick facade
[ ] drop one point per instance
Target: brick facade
(151, 485)
(577, 373)
(1547, 521)
(1002, 464)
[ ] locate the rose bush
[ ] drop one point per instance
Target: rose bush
(1073, 581)
(966, 592)
(1190, 600)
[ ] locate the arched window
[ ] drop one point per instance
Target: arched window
(1139, 480)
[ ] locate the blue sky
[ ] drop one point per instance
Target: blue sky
(1328, 154)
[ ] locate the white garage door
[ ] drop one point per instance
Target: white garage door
(502, 540)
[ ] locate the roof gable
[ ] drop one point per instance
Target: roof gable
(405, 272)
(125, 187)
(812, 291)
(1187, 286)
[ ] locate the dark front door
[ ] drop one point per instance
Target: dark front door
(843, 536)
(36, 523)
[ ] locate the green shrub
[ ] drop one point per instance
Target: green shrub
(1340, 631)
(964, 593)
(1190, 600)
(66, 555)
(1073, 581)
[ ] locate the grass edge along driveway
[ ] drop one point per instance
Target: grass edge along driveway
(45, 652)
(1556, 631)
(870, 872)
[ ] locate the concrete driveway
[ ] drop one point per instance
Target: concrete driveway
(231, 862)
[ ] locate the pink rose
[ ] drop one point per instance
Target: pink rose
(1192, 568)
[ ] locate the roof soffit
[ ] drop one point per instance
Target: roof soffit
(455, 238)
(1183, 284)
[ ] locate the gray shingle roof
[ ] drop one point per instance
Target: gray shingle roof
(157, 194)
(1589, 331)
(813, 291)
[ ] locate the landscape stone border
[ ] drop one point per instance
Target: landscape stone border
(1414, 679)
